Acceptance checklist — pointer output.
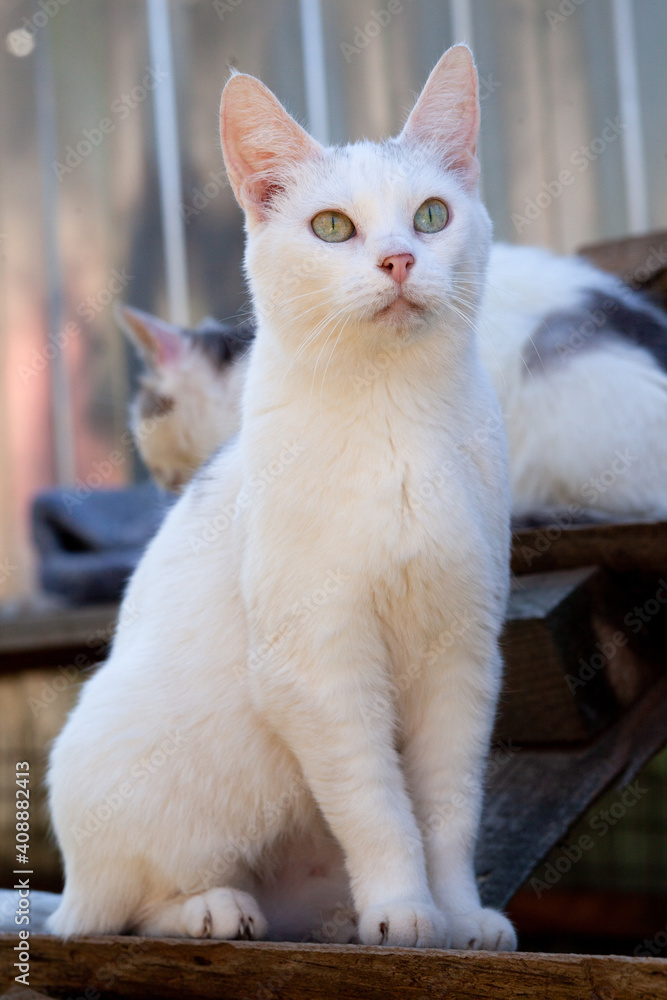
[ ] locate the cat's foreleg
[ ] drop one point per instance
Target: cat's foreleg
(323, 701)
(449, 715)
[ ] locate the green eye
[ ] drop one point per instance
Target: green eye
(333, 227)
(431, 217)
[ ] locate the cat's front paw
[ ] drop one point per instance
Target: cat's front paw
(481, 930)
(404, 925)
(224, 913)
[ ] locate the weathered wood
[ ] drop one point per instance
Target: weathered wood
(576, 654)
(600, 913)
(635, 545)
(549, 628)
(45, 628)
(535, 795)
(207, 970)
(55, 637)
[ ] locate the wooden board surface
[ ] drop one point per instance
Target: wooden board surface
(576, 653)
(636, 545)
(43, 628)
(535, 795)
(209, 970)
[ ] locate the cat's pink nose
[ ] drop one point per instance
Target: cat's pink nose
(397, 265)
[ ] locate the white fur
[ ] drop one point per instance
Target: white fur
(588, 431)
(291, 728)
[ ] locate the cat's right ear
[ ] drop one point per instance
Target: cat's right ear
(260, 143)
(157, 342)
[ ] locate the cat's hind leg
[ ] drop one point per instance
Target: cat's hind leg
(216, 913)
(98, 901)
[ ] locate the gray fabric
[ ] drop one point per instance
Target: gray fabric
(88, 545)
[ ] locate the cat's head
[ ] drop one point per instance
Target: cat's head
(370, 241)
(188, 402)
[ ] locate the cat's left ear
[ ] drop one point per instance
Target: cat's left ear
(446, 115)
(260, 143)
(159, 343)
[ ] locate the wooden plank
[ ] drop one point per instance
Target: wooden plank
(535, 795)
(625, 546)
(576, 654)
(602, 913)
(549, 628)
(207, 970)
(48, 628)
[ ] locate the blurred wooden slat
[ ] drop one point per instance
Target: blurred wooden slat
(66, 627)
(633, 545)
(587, 912)
(639, 260)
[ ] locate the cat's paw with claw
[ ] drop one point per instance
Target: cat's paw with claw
(404, 925)
(481, 930)
(224, 913)
(217, 913)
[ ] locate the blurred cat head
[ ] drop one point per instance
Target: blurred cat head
(188, 402)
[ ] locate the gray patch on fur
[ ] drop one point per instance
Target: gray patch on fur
(222, 343)
(601, 316)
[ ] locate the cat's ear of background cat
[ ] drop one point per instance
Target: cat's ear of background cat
(260, 142)
(446, 115)
(157, 341)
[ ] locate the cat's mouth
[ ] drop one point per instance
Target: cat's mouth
(400, 308)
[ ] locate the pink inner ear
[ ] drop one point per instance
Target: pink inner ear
(159, 343)
(447, 113)
(170, 346)
(260, 142)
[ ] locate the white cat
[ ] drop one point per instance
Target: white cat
(298, 702)
(578, 360)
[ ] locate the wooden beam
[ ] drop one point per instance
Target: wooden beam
(576, 654)
(601, 913)
(154, 969)
(549, 628)
(534, 796)
(48, 628)
(622, 546)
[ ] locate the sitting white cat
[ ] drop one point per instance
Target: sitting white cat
(291, 728)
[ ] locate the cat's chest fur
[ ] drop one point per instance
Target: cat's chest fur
(379, 492)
